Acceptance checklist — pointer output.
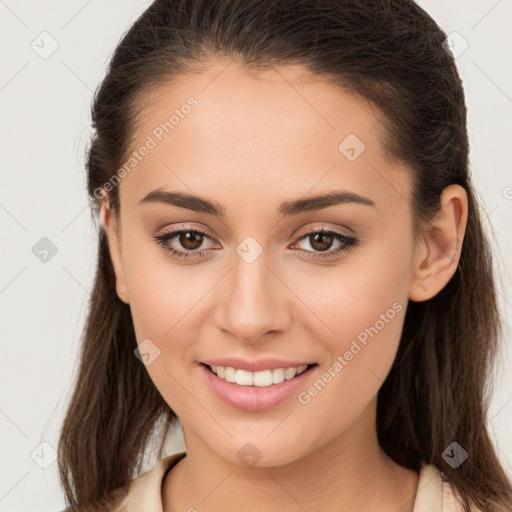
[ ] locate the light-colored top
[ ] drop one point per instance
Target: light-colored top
(145, 492)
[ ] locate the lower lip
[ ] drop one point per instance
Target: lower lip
(255, 398)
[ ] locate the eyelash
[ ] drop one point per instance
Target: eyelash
(349, 243)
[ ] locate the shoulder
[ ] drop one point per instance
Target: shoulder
(435, 493)
(145, 491)
(452, 501)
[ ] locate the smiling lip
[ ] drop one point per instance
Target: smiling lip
(254, 398)
(255, 366)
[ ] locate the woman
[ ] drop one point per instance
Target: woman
(291, 262)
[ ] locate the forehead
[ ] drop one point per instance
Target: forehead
(268, 134)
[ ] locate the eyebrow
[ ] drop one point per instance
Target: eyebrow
(287, 208)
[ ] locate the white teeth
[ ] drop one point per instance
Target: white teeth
(230, 375)
(262, 378)
(277, 376)
(244, 378)
(290, 373)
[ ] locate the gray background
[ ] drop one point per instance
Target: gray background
(44, 129)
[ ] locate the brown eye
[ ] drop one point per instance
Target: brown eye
(321, 241)
(184, 243)
(190, 240)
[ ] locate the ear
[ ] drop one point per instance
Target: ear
(438, 251)
(111, 228)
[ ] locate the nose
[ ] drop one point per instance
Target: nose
(253, 301)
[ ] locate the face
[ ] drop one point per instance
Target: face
(281, 286)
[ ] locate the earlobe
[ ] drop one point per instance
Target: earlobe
(439, 250)
(110, 226)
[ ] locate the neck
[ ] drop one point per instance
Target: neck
(350, 472)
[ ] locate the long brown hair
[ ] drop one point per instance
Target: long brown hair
(390, 52)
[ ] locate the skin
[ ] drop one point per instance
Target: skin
(252, 142)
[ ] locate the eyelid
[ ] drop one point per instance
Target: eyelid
(188, 227)
(297, 235)
(324, 227)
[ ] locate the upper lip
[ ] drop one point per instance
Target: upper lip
(256, 365)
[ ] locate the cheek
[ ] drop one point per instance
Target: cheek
(360, 298)
(360, 309)
(165, 304)
(162, 293)
(165, 308)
